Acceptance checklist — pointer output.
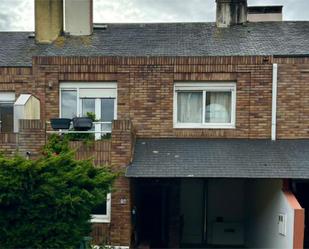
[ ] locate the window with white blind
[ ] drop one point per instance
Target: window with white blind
(204, 105)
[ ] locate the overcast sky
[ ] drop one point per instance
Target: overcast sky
(19, 14)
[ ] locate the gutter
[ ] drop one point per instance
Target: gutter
(274, 103)
(291, 55)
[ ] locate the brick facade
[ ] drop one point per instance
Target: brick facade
(145, 102)
(293, 99)
(145, 90)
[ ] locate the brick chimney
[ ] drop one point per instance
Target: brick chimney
(78, 17)
(48, 20)
(231, 12)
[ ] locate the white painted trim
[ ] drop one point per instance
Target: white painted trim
(205, 86)
(60, 99)
(112, 247)
(7, 97)
(97, 127)
(274, 103)
(87, 85)
(104, 218)
(22, 99)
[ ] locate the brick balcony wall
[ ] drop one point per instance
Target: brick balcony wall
(8, 143)
(99, 151)
(31, 138)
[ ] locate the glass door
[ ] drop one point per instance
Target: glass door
(104, 110)
(6, 117)
(107, 113)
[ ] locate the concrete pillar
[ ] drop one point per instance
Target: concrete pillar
(230, 12)
(48, 20)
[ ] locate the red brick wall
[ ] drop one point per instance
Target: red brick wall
(293, 99)
(123, 139)
(31, 137)
(145, 89)
(8, 143)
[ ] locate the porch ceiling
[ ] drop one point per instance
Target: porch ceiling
(220, 158)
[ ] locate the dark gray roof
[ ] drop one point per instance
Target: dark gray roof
(165, 39)
(220, 158)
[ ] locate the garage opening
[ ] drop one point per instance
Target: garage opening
(212, 213)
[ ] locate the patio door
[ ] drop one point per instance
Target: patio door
(104, 111)
(79, 98)
(7, 111)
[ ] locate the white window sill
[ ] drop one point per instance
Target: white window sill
(204, 126)
(100, 219)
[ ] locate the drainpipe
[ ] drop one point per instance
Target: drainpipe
(274, 102)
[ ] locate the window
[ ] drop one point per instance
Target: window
(7, 100)
(77, 99)
(102, 213)
(204, 105)
(68, 103)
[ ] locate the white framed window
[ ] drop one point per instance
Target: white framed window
(7, 100)
(79, 98)
(102, 213)
(204, 105)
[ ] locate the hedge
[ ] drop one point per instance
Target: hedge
(47, 203)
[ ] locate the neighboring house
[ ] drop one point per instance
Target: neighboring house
(210, 121)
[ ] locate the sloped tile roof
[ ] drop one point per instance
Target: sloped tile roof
(164, 39)
(212, 158)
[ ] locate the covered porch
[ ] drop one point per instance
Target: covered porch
(191, 193)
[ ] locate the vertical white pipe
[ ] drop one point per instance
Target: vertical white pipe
(274, 102)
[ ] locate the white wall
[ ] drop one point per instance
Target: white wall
(264, 202)
(274, 17)
(226, 200)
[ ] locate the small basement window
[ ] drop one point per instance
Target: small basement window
(102, 212)
(204, 105)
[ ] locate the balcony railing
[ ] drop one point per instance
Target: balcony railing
(99, 128)
(95, 130)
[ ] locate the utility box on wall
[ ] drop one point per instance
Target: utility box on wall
(26, 107)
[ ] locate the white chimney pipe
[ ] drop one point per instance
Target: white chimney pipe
(78, 17)
(230, 12)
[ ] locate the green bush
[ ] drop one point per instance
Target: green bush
(46, 203)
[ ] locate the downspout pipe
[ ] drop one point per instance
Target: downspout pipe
(274, 102)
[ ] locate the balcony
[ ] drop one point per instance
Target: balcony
(99, 129)
(113, 146)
